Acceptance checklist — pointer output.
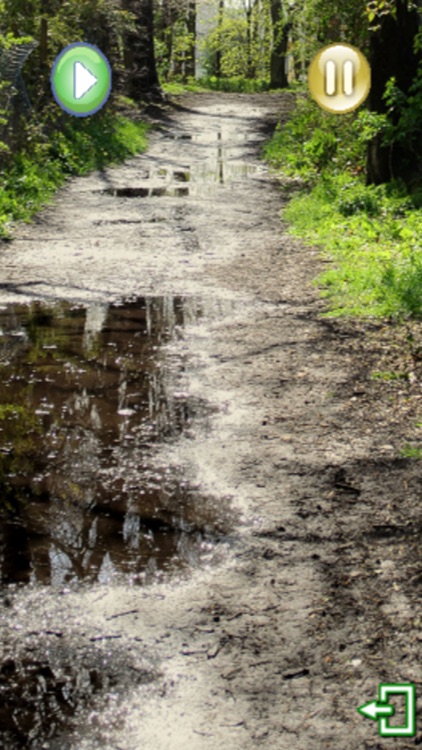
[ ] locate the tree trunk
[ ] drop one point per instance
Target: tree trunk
(391, 54)
(139, 55)
(257, 65)
(191, 29)
(218, 53)
(43, 48)
(249, 70)
(164, 33)
(279, 48)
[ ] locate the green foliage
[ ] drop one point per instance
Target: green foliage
(321, 148)
(401, 285)
(371, 234)
(96, 21)
(175, 40)
(183, 43)
(4, 148)
(94, 142)
(354, 197)
(39, 150)
(403, 122)
(367, 126)
(162, 59)
(316, 23)
(9, 40)
(243, 43)
(376, 9)
(176, 88)
(229, 37)
(100, 22)
(314, 140)
(212, 83)
(237, 43)
(237, 84)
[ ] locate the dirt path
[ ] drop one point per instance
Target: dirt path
(312, 599)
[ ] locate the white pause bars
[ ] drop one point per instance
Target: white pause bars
(331, 76)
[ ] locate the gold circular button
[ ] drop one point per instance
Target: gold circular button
(339, 78)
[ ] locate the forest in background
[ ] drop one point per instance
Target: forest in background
(356, 177)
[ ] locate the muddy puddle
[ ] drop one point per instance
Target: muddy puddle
(43, 695)
(212, 166)
(85, 395)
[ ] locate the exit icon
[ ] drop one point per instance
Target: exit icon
(339, 78)
(382, 711)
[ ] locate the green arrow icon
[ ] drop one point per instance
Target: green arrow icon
(374, 710)
(381, 710)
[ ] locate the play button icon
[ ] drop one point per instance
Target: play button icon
(81, 79)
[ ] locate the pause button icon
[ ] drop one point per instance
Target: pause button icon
(331, 78)
(339, 78)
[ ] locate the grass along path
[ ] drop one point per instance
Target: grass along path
(370, 233)
(80, 146)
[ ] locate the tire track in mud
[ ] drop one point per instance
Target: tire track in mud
(278, 640)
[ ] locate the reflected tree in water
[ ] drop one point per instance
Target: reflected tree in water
(86, 396)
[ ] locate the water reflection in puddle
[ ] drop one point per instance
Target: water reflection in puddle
(145, 192)
(223, 165)
(218, 164)
(217, 171)
(85, 395)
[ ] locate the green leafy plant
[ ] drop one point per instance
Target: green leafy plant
(354, 197)
(403, 123)
(312, 141)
